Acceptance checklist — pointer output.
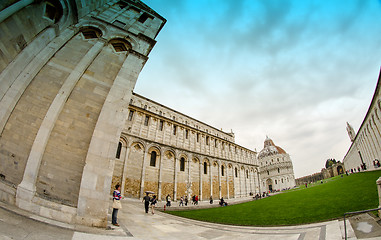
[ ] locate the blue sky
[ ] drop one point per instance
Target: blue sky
(295, 70)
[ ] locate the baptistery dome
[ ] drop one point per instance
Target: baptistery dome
(270, 149)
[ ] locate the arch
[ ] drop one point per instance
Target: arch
(269, 184)
(138, 145)
(195, 159)
(205, 167)
(90, 32)
(120, 44)
(340, 170)
(222, 170)
(169, 153)
(235, 172)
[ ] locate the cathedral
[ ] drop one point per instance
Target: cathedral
(71, 126)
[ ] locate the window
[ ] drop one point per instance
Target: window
(53, 10)
(91, 32)
(205, 168)
(146, 120)
(247, 174)
(161, 123)
(276, 182)
(186, 134)
(198, 137)
(207, 140)
(222, 170)
(120, 45)
(153, 159)
(182, 164)
(174, 129)
(130, 115)
(236, 172)
(215, 143)
(118, 150)
(268, 173)
(144, 17)
(282, 180)
(278, 170)
(145, 106)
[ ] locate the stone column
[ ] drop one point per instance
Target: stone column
(211, 180)
(94, 194)
(189, 175)
(142, 177)
(160, 176)
(175, 181)
(379, 194)
(219, 181)
(124, 174)
(234, 195)
(227, 181)
(200, 187)
(27, 188)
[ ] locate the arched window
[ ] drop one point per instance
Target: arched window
(205, 168)
(236, 172)
(268, 173)
(118, 150)
(91, 32)
(276, 182)
(247, 174)
(278, 170)
(120, 45)
(222, 170)
(153, 159)
(182, 164)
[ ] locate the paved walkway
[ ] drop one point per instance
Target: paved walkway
(136, 224)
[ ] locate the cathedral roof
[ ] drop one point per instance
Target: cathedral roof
(270, 149)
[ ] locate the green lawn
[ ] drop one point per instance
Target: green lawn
(320, 202)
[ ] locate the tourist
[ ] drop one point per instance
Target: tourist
(186, 200)
(181, 202)
(116, 205)
(222, 202)
(196, 200)
(211, 200)
(153, 204)
(146, 201)
(168, 198)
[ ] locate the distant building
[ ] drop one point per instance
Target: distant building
(365, 150)
(276, 169)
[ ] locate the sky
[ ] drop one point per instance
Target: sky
(293, 70)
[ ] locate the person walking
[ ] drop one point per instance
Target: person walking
(116, 205)
(168, 198)
(186, 200)
(211, 200)
(181, 202)
(146, 201)
(196, 200)
(153, 204)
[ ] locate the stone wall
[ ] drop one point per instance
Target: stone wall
(67, 75)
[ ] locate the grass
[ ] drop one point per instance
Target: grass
(320, 202)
